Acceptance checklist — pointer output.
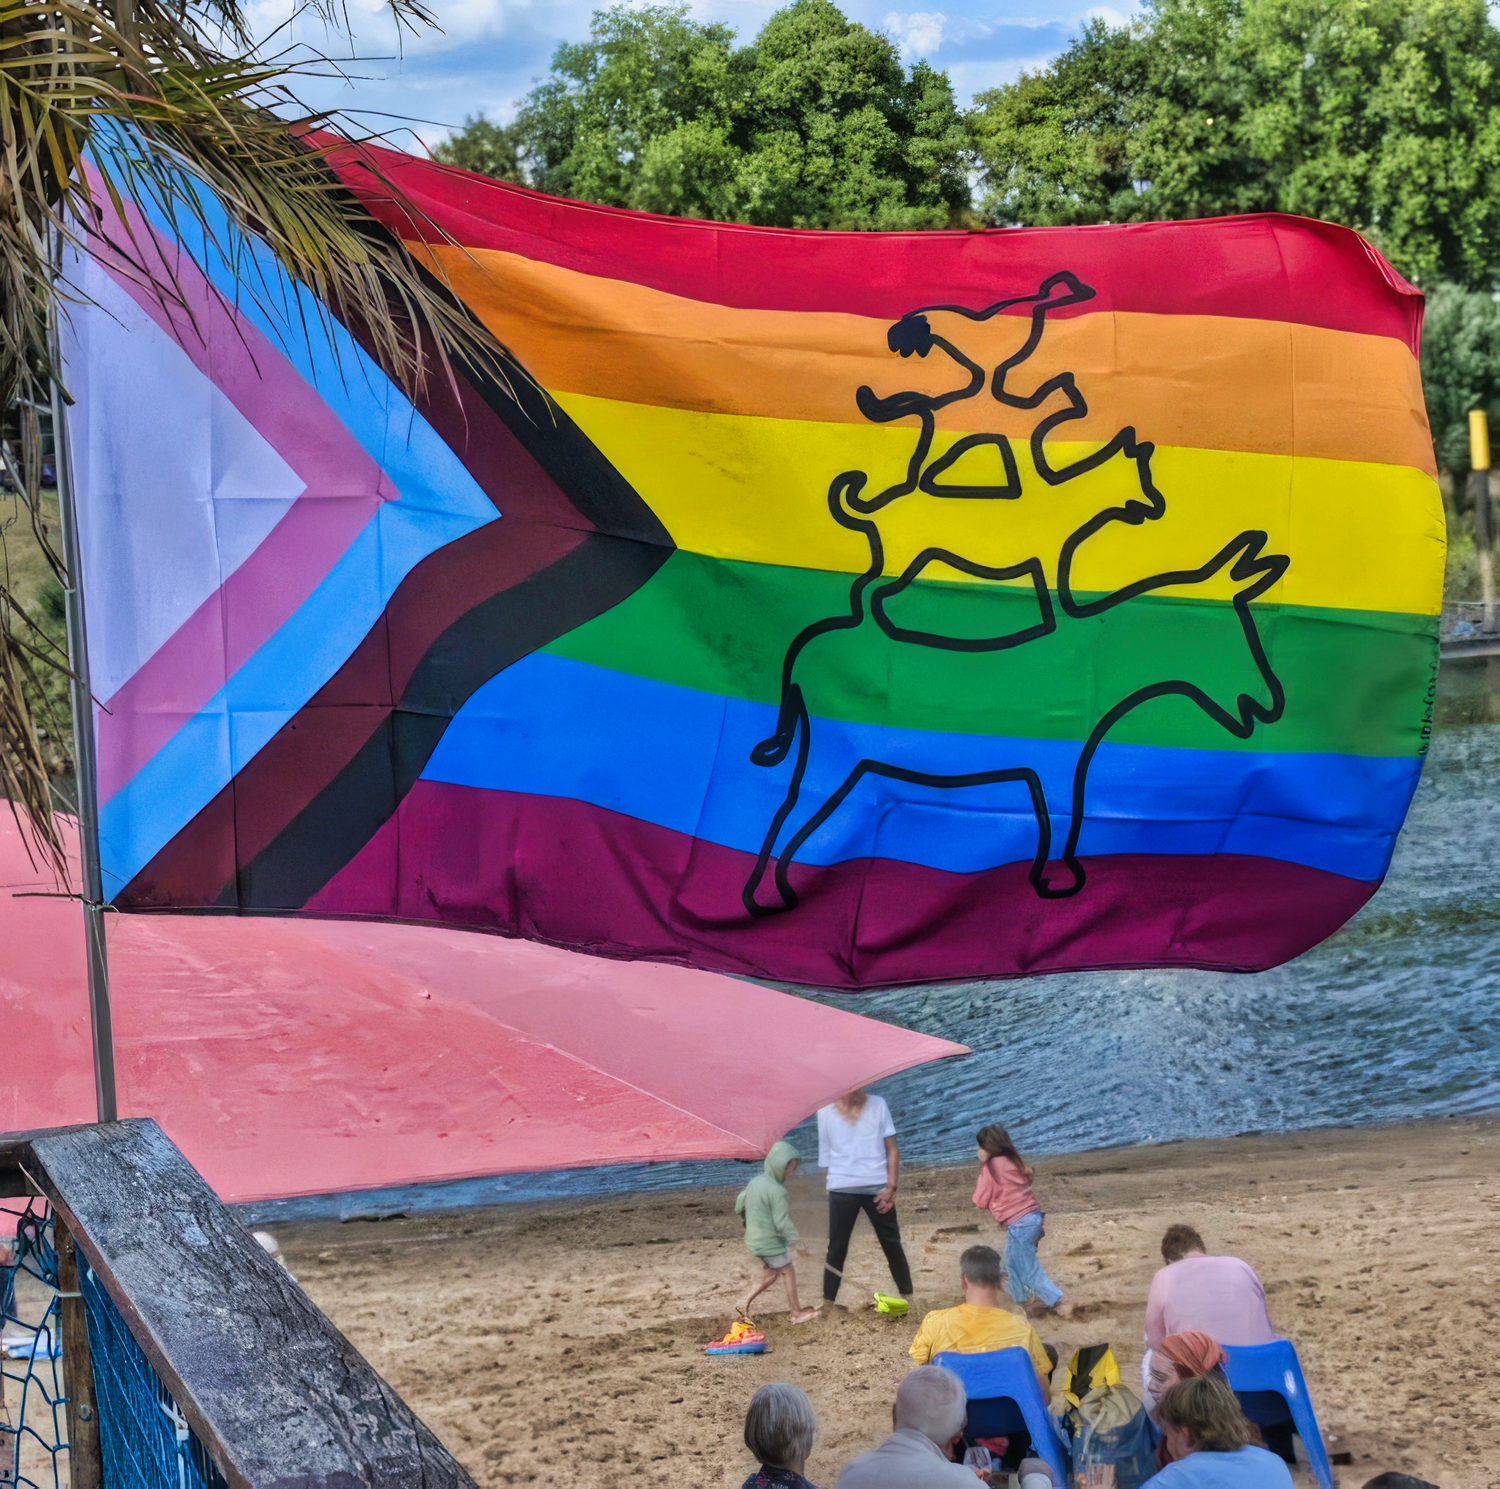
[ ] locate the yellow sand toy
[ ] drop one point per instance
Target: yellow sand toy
(895, 1307)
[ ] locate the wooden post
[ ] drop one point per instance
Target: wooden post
(1484, 523)
(85, 1463)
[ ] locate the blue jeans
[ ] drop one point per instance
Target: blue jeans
(1024, 1276)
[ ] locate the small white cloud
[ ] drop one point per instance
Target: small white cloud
(971, 78)
(468, 19)
(920, 33)
(1109, 15)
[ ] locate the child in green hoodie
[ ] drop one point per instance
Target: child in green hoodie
(769, 1232)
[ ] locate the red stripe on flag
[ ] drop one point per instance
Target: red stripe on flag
(1263, 267)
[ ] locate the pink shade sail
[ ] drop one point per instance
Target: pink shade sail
(310, 1057)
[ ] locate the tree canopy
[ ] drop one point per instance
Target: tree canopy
(1460, 367)
(816, 123)
(1383, 115)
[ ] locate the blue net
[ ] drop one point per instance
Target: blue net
(145, 1442)
(33, 1415)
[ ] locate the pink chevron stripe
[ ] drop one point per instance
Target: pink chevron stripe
(344, 488)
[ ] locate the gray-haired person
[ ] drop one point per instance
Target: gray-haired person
(929, 1415)
(779, 1430)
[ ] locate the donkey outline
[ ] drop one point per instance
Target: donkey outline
(1243, 555)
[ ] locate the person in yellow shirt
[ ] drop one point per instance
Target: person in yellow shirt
(979, 1324)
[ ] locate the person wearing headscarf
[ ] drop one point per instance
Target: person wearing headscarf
(1180, 1357)
(1183, 1356)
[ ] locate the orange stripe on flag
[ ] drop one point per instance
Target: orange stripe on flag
(1196, 382)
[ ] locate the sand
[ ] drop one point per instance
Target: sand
(562, 1345)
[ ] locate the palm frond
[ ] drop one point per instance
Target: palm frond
(26, 773)
(150, 104)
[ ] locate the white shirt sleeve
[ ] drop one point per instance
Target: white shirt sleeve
(887, 1128)
(823, 1137)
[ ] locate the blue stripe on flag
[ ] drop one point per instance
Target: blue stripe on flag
(550, 726)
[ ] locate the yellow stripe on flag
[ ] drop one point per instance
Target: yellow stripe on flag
(1360, 536)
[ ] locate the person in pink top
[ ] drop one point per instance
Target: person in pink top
(1222, 1297)
(1217, 1295)
(1004, 1189)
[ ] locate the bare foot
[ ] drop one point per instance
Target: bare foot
(743, 1313)
(1063, 1310)
(1034, 1309)
(802, 1315)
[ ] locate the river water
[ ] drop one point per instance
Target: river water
(1396, 1016)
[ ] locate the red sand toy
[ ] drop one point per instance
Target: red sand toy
(742, 1339)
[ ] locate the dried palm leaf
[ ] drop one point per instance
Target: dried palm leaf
(145, 103)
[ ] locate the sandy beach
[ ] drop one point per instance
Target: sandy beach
(562, 1345)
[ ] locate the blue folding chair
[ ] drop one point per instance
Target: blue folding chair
(1275, 1368)
(1003, 1395)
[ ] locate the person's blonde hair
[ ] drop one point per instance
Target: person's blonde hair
(1205, 1406)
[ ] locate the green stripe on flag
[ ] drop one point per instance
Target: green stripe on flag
(1356, 681)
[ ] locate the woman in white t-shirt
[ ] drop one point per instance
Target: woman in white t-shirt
(857, 1145)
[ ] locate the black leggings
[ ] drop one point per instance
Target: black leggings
(843, 1211)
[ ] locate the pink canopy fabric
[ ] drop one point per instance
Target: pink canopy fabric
(310, 1057)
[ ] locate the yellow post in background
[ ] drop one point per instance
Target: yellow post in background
(1484, 526)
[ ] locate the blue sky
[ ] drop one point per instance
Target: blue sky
(489, 52)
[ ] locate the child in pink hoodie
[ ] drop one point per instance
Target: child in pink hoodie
(1004, 1189)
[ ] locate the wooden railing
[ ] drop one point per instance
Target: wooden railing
(278, 1398)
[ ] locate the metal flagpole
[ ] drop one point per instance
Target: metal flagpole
(84, 756)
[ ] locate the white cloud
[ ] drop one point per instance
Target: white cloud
(970, 78)
(374, 34)
(1109, 15)
(920, 33)
(490, 52)
(466, 20)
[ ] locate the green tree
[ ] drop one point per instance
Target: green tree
(1460, 368)
(836, 133)
(488, 148)
(1056, 144)
(1383, 115)
(814, 124)
(1460, 372)
(609, 112)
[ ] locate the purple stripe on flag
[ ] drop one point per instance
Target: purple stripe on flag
(578, 875)
(344, 489)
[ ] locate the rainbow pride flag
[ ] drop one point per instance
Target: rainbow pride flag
(849, 609)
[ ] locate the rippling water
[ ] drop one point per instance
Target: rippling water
(1396, 1016)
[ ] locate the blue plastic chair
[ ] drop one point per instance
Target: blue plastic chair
(1275, 1367)
(1007, 1376)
